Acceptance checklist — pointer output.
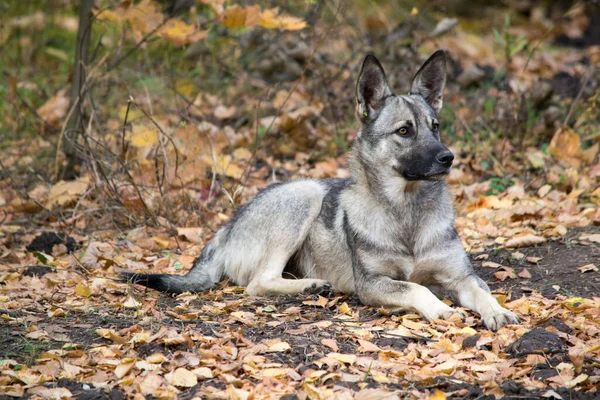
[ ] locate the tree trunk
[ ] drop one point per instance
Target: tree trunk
(75, 125)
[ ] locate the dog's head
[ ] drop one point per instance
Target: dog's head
(402, 132)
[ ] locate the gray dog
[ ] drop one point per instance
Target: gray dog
(386, 234)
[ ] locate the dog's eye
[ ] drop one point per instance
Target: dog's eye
(435, 127)
(402, 131)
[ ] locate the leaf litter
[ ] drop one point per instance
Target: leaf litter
(528, 214)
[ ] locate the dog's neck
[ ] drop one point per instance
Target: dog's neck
(385, 186)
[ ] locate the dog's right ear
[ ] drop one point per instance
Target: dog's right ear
(371, 89)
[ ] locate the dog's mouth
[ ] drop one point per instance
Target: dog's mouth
(430, 176)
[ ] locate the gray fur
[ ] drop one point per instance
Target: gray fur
(386, 234)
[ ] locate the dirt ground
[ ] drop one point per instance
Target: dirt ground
(554, 274)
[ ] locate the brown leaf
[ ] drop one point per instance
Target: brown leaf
(524, 274)
(331, 343)
(65, 193)
(577, 355)
(55, 108)
(367, 347)
(507, 273)
(533, 260)
(588, 268)
(525, 241)
(566, 145)
(193, 235)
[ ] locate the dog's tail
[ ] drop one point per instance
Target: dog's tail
(205, 273)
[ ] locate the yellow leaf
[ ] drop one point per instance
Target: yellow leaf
(82, 290)
(573, 302)
(240, 17)
(144, 17)
(438, 395)
(143, 136)
(344, 358)
(344, 309)
(156, 358)
(123, 369)
(234, 17)
(186, 87)
(59, 312)
(468, 330)
(181, 33)
(271, 20)
(108, 15)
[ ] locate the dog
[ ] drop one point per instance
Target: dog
(385, 234)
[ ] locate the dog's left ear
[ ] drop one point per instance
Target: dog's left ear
(430, 81)
(371, 89)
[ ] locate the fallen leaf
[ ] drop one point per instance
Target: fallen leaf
(82, 290)
(438, 395)
(367, 347)
(506, 273)
(182, 377)
(588, 268)
(65, 193)
(331, 343)
(491, 264)
(143, 136)
(524, 274)
(55, 108)
(280, 346)
(345, 309)
(525, 241)
(533, 260)
(344, 358)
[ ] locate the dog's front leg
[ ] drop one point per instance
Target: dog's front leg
(472, 292)
(455, 273)
(383, 291)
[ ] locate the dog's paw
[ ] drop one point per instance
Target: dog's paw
(320, 287)
(498, 318)
(448, 314)
(445, 313)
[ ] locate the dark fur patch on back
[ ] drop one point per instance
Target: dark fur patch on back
(331, 201)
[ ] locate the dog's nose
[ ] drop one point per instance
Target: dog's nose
(445, 158)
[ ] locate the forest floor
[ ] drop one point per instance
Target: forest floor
(187, 117)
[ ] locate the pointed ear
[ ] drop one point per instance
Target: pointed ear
(371, 89)
(430, 81)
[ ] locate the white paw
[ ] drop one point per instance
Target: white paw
(444, 312)
(498, 318)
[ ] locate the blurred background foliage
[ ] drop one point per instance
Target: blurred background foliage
(204, 98)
